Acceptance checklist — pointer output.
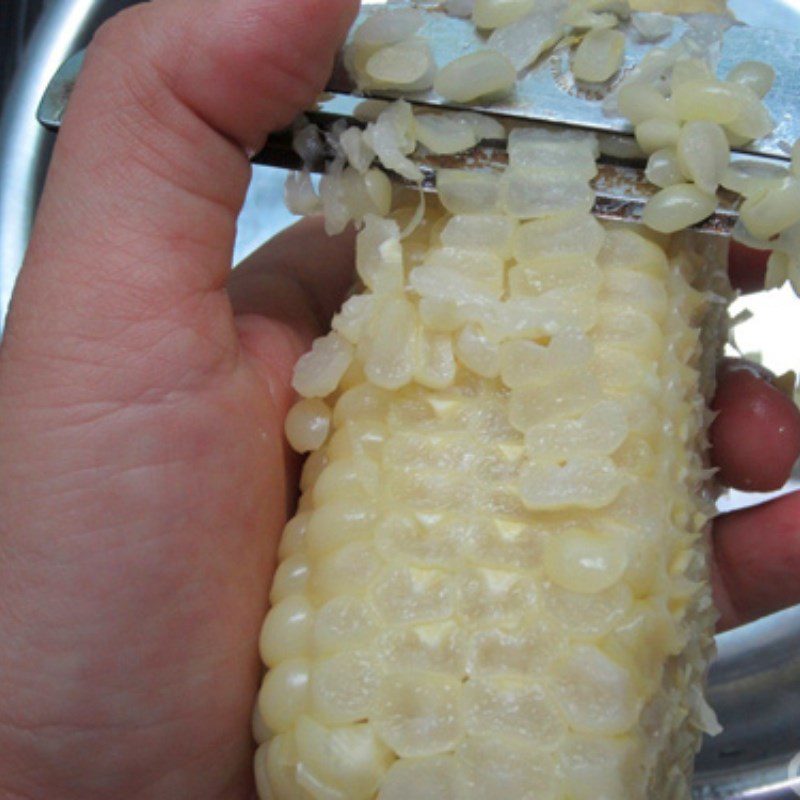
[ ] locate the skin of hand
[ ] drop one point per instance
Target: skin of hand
(144, 480)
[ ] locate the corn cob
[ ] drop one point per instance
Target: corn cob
(496, 583)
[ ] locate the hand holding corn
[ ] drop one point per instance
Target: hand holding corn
(144, 479)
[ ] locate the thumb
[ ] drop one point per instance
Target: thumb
(133, 241)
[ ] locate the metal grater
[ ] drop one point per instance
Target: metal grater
(547, 94)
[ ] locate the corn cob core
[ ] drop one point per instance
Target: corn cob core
(496, 582)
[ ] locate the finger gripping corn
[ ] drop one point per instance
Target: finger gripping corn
(496, 583)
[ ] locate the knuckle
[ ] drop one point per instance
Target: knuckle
(118, 33)
(132, 58)
(140, 44)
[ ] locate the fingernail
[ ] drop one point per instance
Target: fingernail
(743, 365)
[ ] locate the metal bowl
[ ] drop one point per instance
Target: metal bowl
(755, 682)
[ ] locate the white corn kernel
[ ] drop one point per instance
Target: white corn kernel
(600, 431)
(485, 74)
(525, 650)
(291, 577)
(294, 535)
(343, 623)
(349, 478)
(318, 373)
(756, 75)
(388, 27)
(352, 568)
(379, 258)
(753, 120)
(599, 55)
(603, 767)
(407, 65)
(428, 778)
(523, 363)
(639, 102)
(434, 647)
(286, 633)
(626, 249)
(558, 236)
(342, 687)
(444, 135)
(307, 425)
(596, 694)
(657, 133)
(405, 595)
(418, 714)
(581, 482)
(467, 192)
(490, 232)
(568, 395)
(588, 616)
(493, 597)
(773, 210)
(477, 352)
(501, 766)
(508, 706)
(676, 207)
(708, 100)
(663, 168)
(536, 277)
(703, 154)
(539, 154)
(524, 41)
(284, 694)
(491, 14)
(482, 270)
(585, 562)
(347, 762)
(653, 26)
(278, 766)
(527, 195)
(338, 523)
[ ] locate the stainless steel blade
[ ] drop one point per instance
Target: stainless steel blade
(548, 92)
(621, 191)
(56, 97)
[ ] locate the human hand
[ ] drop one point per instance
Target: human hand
(143, 476)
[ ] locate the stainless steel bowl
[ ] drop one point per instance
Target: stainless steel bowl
(755, 682)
